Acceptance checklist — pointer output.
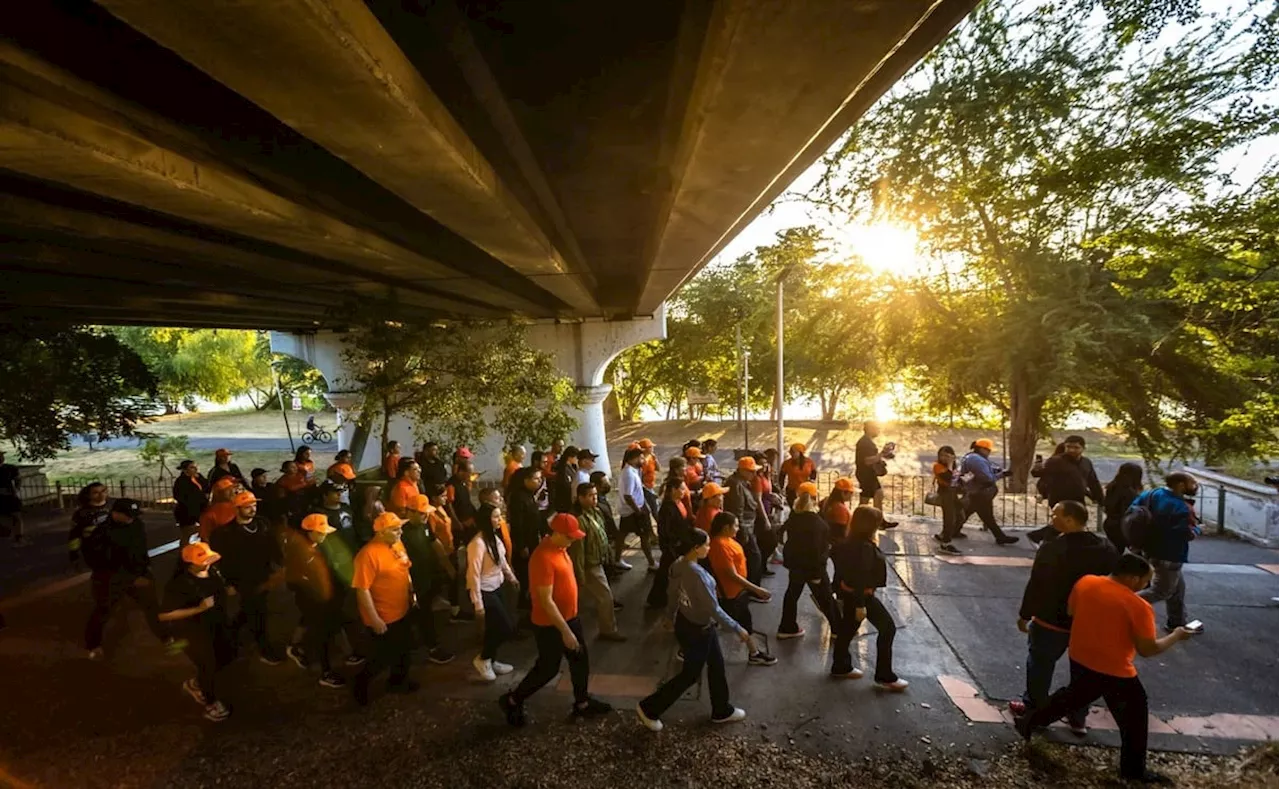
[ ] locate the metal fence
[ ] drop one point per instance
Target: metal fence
(904, 495)
(61, 494)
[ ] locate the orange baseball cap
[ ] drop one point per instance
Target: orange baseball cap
(421, 503)
(317, 522)
(693, 452)
(712, 489)
(388, 520)
(345, 470)
(644, 443)
(747, 463)
(984, 443)
(224, 482)
(244, 499)
(798, 447)
(566, 524)
(633, 445)
(810, 488)
(222, 453)
(199, 553)
(844, 483)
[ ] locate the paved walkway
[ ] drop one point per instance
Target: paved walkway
(957, 645)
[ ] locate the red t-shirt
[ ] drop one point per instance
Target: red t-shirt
(706, 514)
(550, 565)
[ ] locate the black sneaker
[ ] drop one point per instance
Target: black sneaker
(762, 658)
(947, 547)
(1035, 537)
(889, 525)
(462, 616)
(513, 712)
(1022, 723)
(439, 655)
(295, 654)
(592, 707)
(354, 660)
(959, 536)
(332, 680)
(1008, 539)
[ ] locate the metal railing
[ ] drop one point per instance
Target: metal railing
(61, 494)
(904, 495)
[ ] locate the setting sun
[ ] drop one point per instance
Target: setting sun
(884, 247)
(883, 408)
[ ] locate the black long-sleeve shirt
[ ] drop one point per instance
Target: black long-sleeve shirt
(808, 542)
(674, 527)
(859, 566)
(115, 547)
(84, 521)
(1070, 479)
(250, 553)
(189, 499)
(1059, 564)
(527, 522)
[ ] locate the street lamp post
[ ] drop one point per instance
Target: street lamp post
(778, 392)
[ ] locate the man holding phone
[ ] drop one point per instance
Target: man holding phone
(557, 628)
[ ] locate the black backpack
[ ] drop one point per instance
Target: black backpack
(1138, 522)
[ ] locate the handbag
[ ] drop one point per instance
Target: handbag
(931, 498)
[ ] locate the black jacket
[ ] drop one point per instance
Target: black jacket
(1059, 564)
(189, 499)
(527, 522)
(249, 556)
(674, 529)
(808, 542)
(859, 566)
(564, 488)
(434, 472)
(1065, 479)
(117, 547)
(217, 473)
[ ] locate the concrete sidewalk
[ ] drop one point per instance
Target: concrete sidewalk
(957, 645)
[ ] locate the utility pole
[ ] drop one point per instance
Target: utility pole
(778, 392)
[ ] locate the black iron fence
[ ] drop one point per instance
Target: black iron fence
(61, 494)
(904, 494)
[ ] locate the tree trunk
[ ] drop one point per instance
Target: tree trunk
(386, 427)
(359, 439)
(1024, 431)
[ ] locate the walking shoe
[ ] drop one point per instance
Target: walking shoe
(295, 654)
(852, 673)
(623, 565)
(1022, 724)
(354, 660)
(192, 687)
(653, 568)
(405, 686)
(513, 712)
(889, 525)
(484, 668)
(783, 636)
(331, 679)
(1017, 708)
(759, 600)
(1034, 538)
(439, 655)
(960, 535)
(216, 712)
(652, 724)
(947, 547)
(733, 717)
(1008, 539)
(1078, 729)
(897, 686)
(457, 617)
(761, 658)
(96, 653)
(592, 707)
(501, 668)
(270, 660)
(612, 636)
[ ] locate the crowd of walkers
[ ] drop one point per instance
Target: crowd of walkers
(519, 557)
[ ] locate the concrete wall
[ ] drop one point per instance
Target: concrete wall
(1245, 508)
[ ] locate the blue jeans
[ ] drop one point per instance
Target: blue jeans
(1044, 648)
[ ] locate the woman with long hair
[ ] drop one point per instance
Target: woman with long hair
(805, 557)
(487, 570)
(861, 568)
(675, 521)
(729, 565)
(370, 508)
(694, 613)
(1120, 493)
(946, 483)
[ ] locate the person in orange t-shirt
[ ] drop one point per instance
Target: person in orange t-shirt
(391, 460)
(405, 490)
(515, 461)
(1110, 624)
(729, 566)
(550, 457)
(797, 469)
(220, 511)
(305, 464)
(557, 628)
(712, 504)
(384, 595)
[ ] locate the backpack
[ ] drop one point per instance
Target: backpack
(1137, 524)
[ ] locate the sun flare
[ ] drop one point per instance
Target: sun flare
(884, 247)
(883, 408)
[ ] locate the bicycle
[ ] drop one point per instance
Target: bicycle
(318, 436)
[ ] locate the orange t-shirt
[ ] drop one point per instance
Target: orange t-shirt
(797, 474)
(839, 514)
(504, 531)
(549, 464)
(508, 472)
(391, 465)
(442, 528)
(649, 471)
(551, 566)
(403, 493)
(706, 514)
(726, 554)
(292, 483)
(693, 475)
(215, 516)
(384, 570)
(343, 470)
(1106, 618)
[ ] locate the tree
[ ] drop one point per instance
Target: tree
(296, 377)
(158, 449)
(62, 382)
(1036, 150)
(214, 364)
(455, 380)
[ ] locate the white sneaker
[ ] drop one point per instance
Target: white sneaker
(852, 673)
(652, 724)
(733, 717)
(192, 687)
(484, 668)
(216, 712)
(897, 686)
(501, 668)
(624, 565)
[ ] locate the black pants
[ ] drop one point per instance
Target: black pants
(498, 625)
(391, 650)
(821, 588)
(953, 516)
(1111, 527)
(766, 538)
(210, 649)
(423, 620)
(107, 587)
(322, 621)
(878, 615)
(1125, 698)
(755, 562)
(701, 646)
(520, 566)
(550, 651)
(253, 615)
(661, 579)
(983, 504)
(740, 609)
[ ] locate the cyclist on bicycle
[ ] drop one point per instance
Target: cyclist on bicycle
(311, 424)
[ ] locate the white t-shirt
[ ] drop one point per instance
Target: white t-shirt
(584, 478)
(629, 485)
(483, 573)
